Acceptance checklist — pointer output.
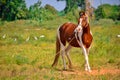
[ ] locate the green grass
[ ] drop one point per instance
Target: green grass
(31, 59)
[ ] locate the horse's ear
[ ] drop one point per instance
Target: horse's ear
(87, 17)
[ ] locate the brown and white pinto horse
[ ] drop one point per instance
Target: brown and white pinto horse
(77, 36)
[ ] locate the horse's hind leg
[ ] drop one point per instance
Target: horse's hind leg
(57, 52)
(68, 56)
(63, 56)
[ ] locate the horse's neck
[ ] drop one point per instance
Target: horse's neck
(87, 29)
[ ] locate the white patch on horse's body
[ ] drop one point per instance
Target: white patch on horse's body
(80, 32)
(79, 27)
(69, 38)
(80, 36)
(58, 35)
(87, 66)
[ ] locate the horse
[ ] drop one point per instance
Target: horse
(77, 35)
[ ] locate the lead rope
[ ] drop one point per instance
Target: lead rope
(65, 47)
(71, 41)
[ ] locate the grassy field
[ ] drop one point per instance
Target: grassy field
(27, 50)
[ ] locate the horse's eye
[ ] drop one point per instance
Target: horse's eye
(81, 15)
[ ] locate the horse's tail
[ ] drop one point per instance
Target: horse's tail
(57, 51)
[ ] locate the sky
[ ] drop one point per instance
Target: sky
(60, 5)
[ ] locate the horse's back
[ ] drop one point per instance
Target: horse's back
(68, 27)
(67, 33)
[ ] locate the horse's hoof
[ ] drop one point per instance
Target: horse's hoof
(64, 69)
(89, 71)
(70, 67)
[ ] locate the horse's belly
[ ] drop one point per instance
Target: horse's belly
(73, 42)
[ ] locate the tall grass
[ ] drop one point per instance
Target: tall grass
(24, 54)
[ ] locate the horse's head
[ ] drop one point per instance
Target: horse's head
(82, 21)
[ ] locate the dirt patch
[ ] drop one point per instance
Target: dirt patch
(94, 72)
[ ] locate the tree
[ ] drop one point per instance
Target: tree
(36, 12)
(50, 8)
(13, 9)
(99, 13)
(107, 11)
(88, 8)
(72, 4)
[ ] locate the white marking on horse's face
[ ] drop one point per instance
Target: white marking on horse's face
(79, 28)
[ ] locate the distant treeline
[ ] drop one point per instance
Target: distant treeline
(16, 9)
(108, 11)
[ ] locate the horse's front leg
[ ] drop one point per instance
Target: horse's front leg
(87, 66)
